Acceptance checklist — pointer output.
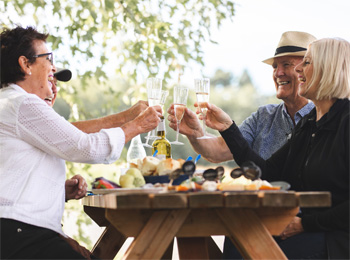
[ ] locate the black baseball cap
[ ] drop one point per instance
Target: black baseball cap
(63, 74)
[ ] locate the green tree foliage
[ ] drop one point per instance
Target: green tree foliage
(137, 39)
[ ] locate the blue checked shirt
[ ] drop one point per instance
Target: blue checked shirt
(269, 128)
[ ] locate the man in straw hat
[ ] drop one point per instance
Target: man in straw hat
(267, 129)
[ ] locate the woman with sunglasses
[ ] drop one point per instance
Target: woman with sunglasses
(35, 142)
(316, 158)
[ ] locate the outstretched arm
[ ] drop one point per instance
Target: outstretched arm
(110, 121)
(214, 150)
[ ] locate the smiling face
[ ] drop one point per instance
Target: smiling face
(38, 82)
(305, 70)
(285, 77)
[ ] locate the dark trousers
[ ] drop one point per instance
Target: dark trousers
(311, 245)
(23, 241)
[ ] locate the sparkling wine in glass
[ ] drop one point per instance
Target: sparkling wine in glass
(154, 90)
(163, 95)
(180, 102)
(202, 88)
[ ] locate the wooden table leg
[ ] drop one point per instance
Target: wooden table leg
(157, 234)
(198, 248)
(108, 244)
(250, 235)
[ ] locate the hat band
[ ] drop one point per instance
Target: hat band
(284, 49)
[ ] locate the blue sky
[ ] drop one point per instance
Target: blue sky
(256, 30)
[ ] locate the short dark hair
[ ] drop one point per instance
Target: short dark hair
(15, 43)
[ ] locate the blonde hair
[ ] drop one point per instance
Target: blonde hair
(331, 68)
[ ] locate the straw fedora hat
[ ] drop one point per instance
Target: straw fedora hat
(292, 44)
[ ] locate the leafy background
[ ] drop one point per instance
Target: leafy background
(112, 47)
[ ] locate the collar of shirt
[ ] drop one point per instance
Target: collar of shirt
(300, 113)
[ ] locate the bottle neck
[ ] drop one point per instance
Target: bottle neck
(161, 128)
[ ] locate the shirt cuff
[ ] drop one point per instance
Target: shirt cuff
(229, 131)
(117, 142)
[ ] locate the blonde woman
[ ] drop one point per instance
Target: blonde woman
(316, 158)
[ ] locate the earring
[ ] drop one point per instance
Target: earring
(30, 73)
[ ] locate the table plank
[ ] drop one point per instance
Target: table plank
(268, 218)
(135, 219)
(251, 236)
(314, 199)
(248, 218)
(169, 200)
(278, 199)
(205, 200)
(109, 243)
(241, 199)
(157, 234)
(97, 215)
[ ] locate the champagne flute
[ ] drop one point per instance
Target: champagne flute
(154, 88)
(180, 102)
(202, 88)
(163, 95)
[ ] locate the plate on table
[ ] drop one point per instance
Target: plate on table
(127, 190)
(165, 179)
(282, 184)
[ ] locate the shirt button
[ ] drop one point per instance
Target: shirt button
(19, 230)
(313, 135)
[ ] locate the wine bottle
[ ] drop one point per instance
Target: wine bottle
(136, 150)
(161, 144)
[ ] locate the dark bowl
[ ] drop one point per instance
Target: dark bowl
(165, 179)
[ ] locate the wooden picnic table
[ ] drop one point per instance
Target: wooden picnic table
(249, 218)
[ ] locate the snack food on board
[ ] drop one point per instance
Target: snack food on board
(149, 165)
(152, 166)
(132, 179)
(181, 161)
(242, 183)
(166, 166)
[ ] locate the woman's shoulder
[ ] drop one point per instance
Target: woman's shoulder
(13, 96)
(340, 109)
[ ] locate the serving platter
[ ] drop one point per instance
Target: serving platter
(165, 179)
(128, 190)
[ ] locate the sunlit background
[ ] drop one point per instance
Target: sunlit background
(243, 42)
(256, 30)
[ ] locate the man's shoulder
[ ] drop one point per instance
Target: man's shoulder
(270, 108)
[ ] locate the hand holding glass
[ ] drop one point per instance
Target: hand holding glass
(154, 90)
(180, 102)
(202, 88)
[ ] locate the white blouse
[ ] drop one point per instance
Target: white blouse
(35, 141)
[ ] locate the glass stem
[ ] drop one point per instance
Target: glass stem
(177, 130)
(148, 137)
(204, 131)
(154, 133)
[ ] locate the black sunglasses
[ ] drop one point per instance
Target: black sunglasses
(249, 170)
(49, 56)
